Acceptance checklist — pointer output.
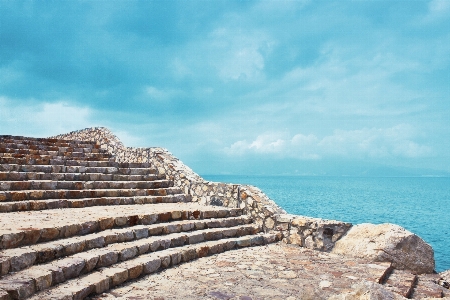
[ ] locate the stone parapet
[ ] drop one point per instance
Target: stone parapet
(303, 231)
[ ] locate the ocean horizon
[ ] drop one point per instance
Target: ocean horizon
(419, 204)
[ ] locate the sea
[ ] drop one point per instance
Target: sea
(419, 204)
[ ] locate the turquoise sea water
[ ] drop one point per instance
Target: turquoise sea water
(419, 204)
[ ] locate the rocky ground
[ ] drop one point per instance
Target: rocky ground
(276, 271)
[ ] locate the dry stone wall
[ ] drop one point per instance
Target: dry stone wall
(306, 232)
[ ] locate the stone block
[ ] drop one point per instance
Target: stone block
(95, 242)
(175, 258)
(202, 251)
(71, 267)
(188, 254)
(57, 273)
(43, 278)
(5, 265)
(140, 232)
(171, 228)
(106, 223)
(176, 215)
(128, 253)
(284, 218)
(116, 275)
(244, 242)
(90, 261)
(229, 232)
(18, 288)
(156, 244)
(12, 239)
(209, 214)
(125, 236)
(107, 257)
(296, 239)
(148, 219)
(216, 248)
(213, 235)
(22, 258)
(257, 240)
(142, 246)
(98, 280)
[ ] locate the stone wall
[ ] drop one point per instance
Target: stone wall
(303, 231)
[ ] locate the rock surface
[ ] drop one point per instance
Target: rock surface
(388, 242)
(367, 290)
(272, 272)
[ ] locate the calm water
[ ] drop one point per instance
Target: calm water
(420, 204)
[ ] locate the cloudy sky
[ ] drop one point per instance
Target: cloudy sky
(238, 87)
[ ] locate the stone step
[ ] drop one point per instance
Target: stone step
(23, 153)
(427, 287)
(108, 277)
(14, 260)
(46, 275)
(21, 141)
(77, 194)
(401, 282)
(50, 160)
(80, 185)
(113, 169)
(171, 195)
(378, 272)
(25, 176)
(44, 150)
(30, 227)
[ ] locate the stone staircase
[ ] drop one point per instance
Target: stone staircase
(411, 286)
(74, 222)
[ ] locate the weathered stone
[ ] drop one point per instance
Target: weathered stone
(12, 240)
(48, 234)
(296, 239)
(269, 223)
(22, 258)
(150, 264)
(98, 280)
(90, 261)
(18, 288)
(117, 275)
(387, 242)
(43, 278)
(106, 223)
(367, 290)
(5, 265)
(107, 258)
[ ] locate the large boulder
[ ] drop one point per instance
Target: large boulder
(388, 243)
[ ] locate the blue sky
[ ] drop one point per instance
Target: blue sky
(238, 87)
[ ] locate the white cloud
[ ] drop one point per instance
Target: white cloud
(43, 119)
(239, 55)
(439, 6)
(377, 143)
(159, 94)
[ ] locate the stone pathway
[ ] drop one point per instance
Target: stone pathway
(275, 271)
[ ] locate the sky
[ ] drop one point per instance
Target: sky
(238, 87)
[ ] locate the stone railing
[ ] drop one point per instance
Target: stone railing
(307, 232)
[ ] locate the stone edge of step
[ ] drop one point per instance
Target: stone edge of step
(16, 259)
(107, 278)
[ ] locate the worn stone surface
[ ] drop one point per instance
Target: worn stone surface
(276, 271)
(387, 242)
(367, 290)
